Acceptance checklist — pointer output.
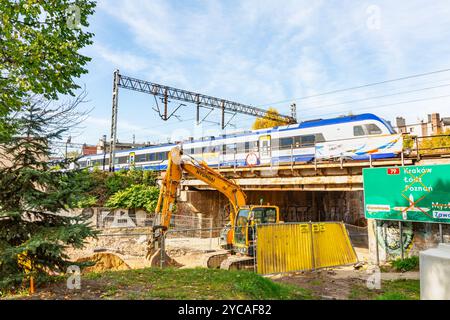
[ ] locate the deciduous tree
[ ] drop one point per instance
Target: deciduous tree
(268, 122)
(39, 50)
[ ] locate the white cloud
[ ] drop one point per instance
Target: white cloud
(121, 59)
(257, 52)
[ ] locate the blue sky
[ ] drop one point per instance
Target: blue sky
(263, 52)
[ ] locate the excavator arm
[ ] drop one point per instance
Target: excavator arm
(171, 181)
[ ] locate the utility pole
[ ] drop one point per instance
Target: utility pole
(294, 111)
(69, 139)
(223, 115)
(112, 143)
(104, 151)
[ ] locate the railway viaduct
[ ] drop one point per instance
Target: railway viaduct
(325, 191)
(309, 191)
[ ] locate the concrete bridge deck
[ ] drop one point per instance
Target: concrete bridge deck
(320, 176)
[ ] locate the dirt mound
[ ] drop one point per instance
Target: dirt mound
(104, 261)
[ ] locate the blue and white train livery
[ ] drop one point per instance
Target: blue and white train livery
(355, 137)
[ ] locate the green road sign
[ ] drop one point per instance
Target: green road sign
(410, 193)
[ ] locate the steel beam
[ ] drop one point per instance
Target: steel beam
(197, 98)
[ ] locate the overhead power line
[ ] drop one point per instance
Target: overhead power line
(376, 97)
(357, 87)
(388, 105)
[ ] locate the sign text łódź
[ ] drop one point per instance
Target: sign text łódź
(410, 193)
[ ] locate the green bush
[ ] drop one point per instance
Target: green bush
(100, 185)
(407, 264)
(86, 202)
(135, 197)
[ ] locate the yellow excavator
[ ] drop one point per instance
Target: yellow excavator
(240, 235)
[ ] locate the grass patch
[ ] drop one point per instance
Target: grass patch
(170, 283)
(406, 264)
(390, 290)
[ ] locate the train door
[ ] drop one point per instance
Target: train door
(132, 158)
(265, 151)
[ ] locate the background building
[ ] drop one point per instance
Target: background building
(433, 125)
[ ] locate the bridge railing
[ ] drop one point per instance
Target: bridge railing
(430, 145)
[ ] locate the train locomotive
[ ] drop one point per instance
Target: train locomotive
(355, 137)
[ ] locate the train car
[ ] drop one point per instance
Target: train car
(357, 137)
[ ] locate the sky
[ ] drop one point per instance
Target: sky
(266, 54)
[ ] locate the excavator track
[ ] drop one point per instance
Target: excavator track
(235, 262)
(224, 260)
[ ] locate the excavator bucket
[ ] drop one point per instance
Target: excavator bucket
(156, 256)
(159, 258)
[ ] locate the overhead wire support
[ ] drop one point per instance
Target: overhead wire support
(167, 93)
(196, 98)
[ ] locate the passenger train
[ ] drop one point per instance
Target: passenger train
(356, 137)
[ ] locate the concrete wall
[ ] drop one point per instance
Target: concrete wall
(112, 218)
(294, 206)
(416, 237)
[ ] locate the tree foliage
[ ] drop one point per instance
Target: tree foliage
(100, 185)
(265, 122)
(39, 50)
(33, 232)
(438, 144)
(135, 197)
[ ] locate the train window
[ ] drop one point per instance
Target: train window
(358, 131)
(241, 147)
(152, 157)
(372, 128)
(320, 137)
(230, 148)
(161, 156)
(141, 157)
(198, 150)
(247, 147)
(286, 143)
(297, 142)
(210, 149)
(253, 146)
(123, 160)
(308, 140)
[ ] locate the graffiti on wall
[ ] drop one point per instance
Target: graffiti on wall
(389, 237)
(116, 218)
(295, 213)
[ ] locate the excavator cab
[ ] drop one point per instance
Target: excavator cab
(245, 226)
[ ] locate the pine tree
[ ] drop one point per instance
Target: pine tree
(33, 233)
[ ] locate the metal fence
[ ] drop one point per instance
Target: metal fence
(433, 145)
(291, 247)
(269, 248)
(358, 235)
(106, 218)
(207, 248)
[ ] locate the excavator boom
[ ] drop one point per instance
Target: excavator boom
(171, 181)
